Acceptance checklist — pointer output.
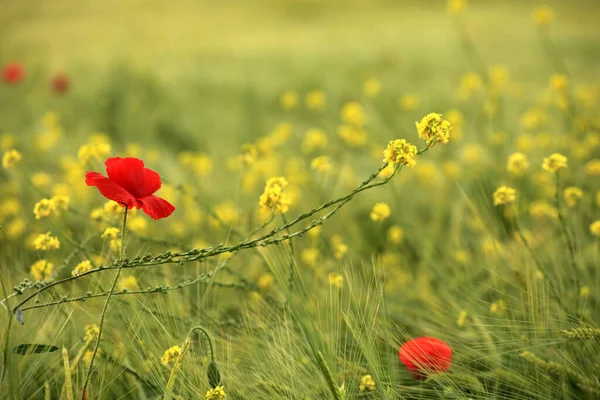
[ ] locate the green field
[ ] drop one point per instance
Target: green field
(314, 301)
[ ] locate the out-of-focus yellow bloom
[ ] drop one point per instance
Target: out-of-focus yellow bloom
(61, 202)
(170, 355)
(339, 247)
(82, 267)
(543, 16)
(592, 168)
(43, 208)
(367, 384)
(517, 164)
(371, 87)
(315, 100)
(462, 319)
(584, 291)
(321, 164)
(96, 149)
(542, 209)
(462, 256)
(41, 180)
(559, 82)
(15, 228)
(7, 141)
(400, 152)
(218, 393)
(46, 242)
(266, 281)
(274, 199)
(395, 234)
(595, 228)
(408, 102)
(380, 212)
(138, 224)
(91, 332)
(473, 154)
(555, 162)
(314, 139)
(42, 270)
(534, 118)
(469, 84)
(353, 136)
(572, 195)
(110, 233)
(11, 158)
(598, 198)
(455, 7)
(456, 119)
(128, 283)
(504, 195)
(433, 128)
(497, 307)
(499, 77)
(452, 169)
(249, 154)
(354, 114)
(309, 256)
(336, 279)
(288, 100)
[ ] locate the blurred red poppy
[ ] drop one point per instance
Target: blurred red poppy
(60, 83)
(13, 73)
(131, 185)
(425, 355)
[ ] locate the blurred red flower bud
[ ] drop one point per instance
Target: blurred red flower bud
(60, 83)
(13, 73)
(425, 355)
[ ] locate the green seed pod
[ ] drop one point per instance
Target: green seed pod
(213, 374)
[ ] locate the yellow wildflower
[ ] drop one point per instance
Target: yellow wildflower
(91, 332)
(371, 87)
(592, 168)
(314, 139)
(274, 199)
(517, 164)
(433, 128)
(504, 195)
(543, 16)
(395, 234)
(309, 256)
(128, 283)
(408, 102)
(367, 384)
(315, 100)
(41, 270)
(542, 209)
(335, 279)
(218, 393)
(462, 319)
(559, 82)
(41, 180)
(11, 158)
(380, 212)
(353, 136)
(288, 100)
(170, 355)
(400, 152)
(266, 281)
(555, 162)
(82, 267)
(353, 113)
(321, 164)
(572, 195)
(584, 291)
(46, 242)
(61, 202)
(595, 228)
(110, 233)
(43, 208)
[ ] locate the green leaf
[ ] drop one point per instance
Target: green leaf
(33, 348)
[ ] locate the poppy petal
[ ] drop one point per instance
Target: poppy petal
(111, 190)
(128, 173)
(151, 183)
(156, 207)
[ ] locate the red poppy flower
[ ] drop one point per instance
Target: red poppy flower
(425, 355)
(131, 185)
(60, 83)
(13, 73)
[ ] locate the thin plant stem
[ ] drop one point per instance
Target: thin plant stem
(104, 308)
(565, 232)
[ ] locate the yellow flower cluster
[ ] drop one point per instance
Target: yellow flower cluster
(46, 242)
(504, 195)
(170, 355)
(353, 113)
(314, 139)
(45, 207)
(400, 152)
(517, 164)
(380, 212)
(395, 234)
(371, 87)
(367, 384)
(110, 233)
(274, 199)
(98, 148)
(338, 246)
(555, 162)
(10, 159)
(200, 163)
(572, 195)
(595, 228)
(315, 100)
(217, 393)
(433, 128)
(41, 270)
(128, 283)
(82, 267)
(321, 164)
(335, 279)
(91, 332)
